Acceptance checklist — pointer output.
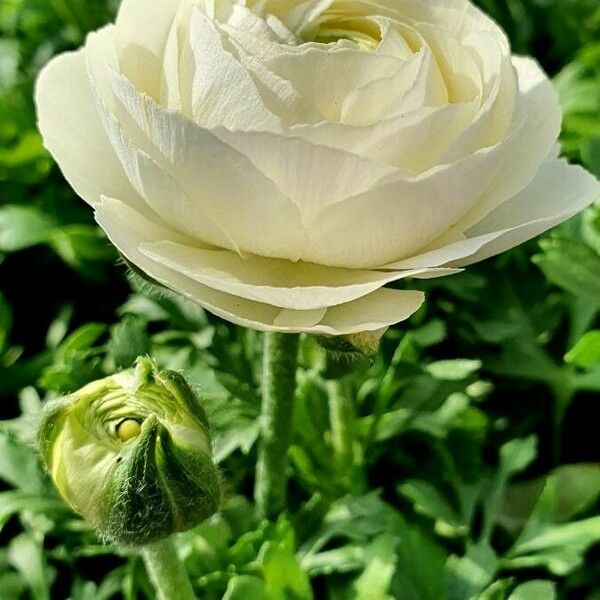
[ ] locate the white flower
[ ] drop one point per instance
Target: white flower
(281, 162)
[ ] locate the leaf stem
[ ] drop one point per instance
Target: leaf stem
(279, 384)
(167, 572)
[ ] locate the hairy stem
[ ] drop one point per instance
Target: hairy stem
(279, 384)
(341, 418)
(167, 572)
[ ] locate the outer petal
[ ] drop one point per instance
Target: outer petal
(73, 132)
(127, 230)
(221, 184)
(558, 192)
(537, 118)
(400, 217)
(298, 286)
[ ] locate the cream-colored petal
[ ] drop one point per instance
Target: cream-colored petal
(223, 92)
(325, 77)
(297, 286)
(400, 217)
(142, 29)
(73, 132)
(410, 88)
(557, 192)
(313, 176)
(413, 142)
(495, 115)
(537, 121)
(220, 183)
(382, 308)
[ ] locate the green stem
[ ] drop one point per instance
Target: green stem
(341, 418)
(167, 572)
(279, 384)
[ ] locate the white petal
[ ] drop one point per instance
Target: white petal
(558, 192)
(382, 308)
(409, 88)
(73, 133)
(221, 184)
(142, 29)
(313, 176)
(537, 118)
(223, 91)
(493, 120)
(298, 286)
(413, 142)
(398, 218)
(325, 77)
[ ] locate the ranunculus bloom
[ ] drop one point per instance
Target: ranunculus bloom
(281, 162)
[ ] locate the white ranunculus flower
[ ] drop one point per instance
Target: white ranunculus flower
(280, 162)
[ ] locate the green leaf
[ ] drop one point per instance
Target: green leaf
(5, 322)
(245, 587)
(375, 580)
(428, 501)
(80, 246)
(453, 370)
(558, 547)
(534, 590)
(470, 575)
(284, 578)
(82, 338)
(577, 489)
(26, 555)
(19, 464)
(22, 227)
(13, 502)
(517, 455)
(571, 265)
(128, 341)
(586, 352)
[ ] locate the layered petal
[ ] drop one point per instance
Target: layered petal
(72, 131)
(558, 192)
(129, 231)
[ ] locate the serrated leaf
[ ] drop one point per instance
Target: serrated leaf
(469, 575)
(535, 590)
(586, 353)
(245, 587)
(128, 341)
(453, 370)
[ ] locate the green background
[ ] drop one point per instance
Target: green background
(474, 470)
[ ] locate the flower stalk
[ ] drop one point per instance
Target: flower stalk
(167, 572)
(341, 418)
(280, 362)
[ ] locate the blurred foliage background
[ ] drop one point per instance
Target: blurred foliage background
(473, 464)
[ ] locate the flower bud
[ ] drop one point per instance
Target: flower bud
(132, 454)
(365, 344)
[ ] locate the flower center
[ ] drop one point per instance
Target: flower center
(331, 28)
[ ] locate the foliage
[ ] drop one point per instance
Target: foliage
(473, 470)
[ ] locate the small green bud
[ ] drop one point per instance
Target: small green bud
(363, 344)
(132, 454)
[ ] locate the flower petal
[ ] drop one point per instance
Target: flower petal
(298, 286)
(381, 308)
(73, 132)
(557, 192)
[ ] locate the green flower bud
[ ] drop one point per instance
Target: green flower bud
(132, 454)
(365, 344)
